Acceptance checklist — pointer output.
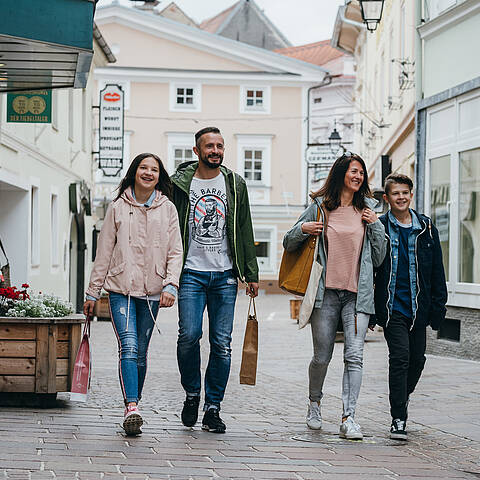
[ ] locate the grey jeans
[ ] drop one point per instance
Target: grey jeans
(338, 304)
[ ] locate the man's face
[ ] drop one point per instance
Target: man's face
(210, 206)
(210, 149)
(398, 197)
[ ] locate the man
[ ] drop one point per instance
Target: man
(410, 293)
(217, 234)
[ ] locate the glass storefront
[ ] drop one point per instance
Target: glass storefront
(469, 216)
(440, 203)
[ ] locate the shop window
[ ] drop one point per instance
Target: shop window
(34, 227)
(54, 229)
(263, 249)
(440, 203)
(449, 330)
(469, 254)
(253, 164)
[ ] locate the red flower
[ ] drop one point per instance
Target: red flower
(25, 285)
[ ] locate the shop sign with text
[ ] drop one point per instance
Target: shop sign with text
(33, 106)
(111, 130)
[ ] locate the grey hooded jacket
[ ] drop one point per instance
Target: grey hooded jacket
(373, 252)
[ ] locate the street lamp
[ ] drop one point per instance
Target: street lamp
(334, 140)
(371, 13)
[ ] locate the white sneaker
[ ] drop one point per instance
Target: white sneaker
(350, 430)
(314, 417)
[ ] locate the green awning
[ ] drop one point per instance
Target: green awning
(45, 44)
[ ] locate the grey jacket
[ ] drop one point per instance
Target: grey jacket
(373, 252)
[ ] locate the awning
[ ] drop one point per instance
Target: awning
(45, 44)
(348, 25)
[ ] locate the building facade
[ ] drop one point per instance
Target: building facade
(448, 159)
(384, 93)
(256, 97)
(46, 175)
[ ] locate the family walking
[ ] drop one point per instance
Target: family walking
(191, 236)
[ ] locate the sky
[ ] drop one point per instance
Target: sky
(301, 21)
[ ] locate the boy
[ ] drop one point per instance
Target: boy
(410, 293)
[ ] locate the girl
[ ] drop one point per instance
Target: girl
(352, 242)
(138, 262)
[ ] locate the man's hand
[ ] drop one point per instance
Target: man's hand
(166, 299)
(88, 307)
(252, 289)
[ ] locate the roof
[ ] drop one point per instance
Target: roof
(318, 53)
(213, 24)
(174, 12)
(220, 21)
(103, 44)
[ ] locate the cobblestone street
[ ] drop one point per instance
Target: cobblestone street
(266, 433)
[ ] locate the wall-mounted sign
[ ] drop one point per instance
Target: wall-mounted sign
(320, 154)
(110, 149)
(30, 107)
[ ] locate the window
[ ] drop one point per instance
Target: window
(71, 112)
(469, 254)
(185, 97)
(440, 203)
(182, 155)
(264, 248)
(253, 164)
(34, 227)
(434, 8)
(254, 99)
(179, 149)
(54, 229)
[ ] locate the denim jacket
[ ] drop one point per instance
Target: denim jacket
(429, 290)
(373, 252)
(393, 231)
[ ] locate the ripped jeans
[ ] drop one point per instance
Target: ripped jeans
(218, 292)
(132, 341)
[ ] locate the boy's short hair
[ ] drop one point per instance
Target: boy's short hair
(397, 178)
(205, 130)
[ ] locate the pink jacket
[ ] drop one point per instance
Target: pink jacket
(139, 248)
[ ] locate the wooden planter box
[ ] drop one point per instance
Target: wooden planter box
(37, 355)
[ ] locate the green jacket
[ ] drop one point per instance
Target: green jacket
(238, 221)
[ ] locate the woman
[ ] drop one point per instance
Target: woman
(138, 262)
(352, 241)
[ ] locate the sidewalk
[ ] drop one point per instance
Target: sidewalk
(266, 433)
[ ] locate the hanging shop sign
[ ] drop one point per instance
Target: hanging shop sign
(110, 151)
(32, 106)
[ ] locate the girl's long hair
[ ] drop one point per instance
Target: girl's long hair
(332, 188)
(164, 183)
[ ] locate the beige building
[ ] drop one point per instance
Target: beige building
(384, 93)
(178, 79)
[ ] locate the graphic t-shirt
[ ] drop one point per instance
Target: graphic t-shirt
(208, 246)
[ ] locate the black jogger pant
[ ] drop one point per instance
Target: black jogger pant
(406, 355)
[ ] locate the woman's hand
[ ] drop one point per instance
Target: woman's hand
(88, 307)
(166, 299)
(312, 228)
(369, 216)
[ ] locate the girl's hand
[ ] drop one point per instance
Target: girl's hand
(166, 299)
(312, 228)
(369, 216)
(88, 307)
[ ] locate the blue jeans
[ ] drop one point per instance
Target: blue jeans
(132, 342)
(218, 292)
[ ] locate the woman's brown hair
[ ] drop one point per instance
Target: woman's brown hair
(332, 188)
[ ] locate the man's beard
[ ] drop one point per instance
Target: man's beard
(205, 160)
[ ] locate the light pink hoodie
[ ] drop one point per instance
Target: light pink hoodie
(139, 248)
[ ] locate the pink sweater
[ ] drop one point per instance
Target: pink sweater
(345, 233)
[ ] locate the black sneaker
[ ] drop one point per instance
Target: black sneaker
(212, 422)
(190, 410)
(397, 430)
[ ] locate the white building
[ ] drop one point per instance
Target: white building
(448, 158)
(46, 174)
